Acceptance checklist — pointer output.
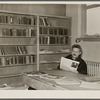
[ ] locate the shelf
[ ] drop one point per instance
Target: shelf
(53, 26)
(62, 17)
(49, 62)
(88, 39)
(16, 65)
(53, 44)
(10, 55)
(17, 36)
(14, 25)
(12, 75)
(16, 45)
(54, 35)
(54, 53)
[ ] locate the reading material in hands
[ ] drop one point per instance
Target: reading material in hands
(69, 65)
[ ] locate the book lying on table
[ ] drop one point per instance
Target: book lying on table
(90, 78)
(69, 65)
(66, 81)
(52, 77)
(46, 76)
(37, 73)
(90, 85)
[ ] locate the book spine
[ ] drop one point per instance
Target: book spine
(27, 60)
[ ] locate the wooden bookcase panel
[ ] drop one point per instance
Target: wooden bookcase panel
(52, 57)
(16, 80)
(16, 70)
(48, 66)
(54, 40)
(18, 44)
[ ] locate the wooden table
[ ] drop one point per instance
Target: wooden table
(45, 84)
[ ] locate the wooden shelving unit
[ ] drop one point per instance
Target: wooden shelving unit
(22, 35)
(18, 47)
(54, 36)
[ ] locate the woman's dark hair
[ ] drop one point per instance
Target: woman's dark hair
(79, 47)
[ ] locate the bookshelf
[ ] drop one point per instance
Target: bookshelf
(18, 45)
(31, 43)
(54, 40)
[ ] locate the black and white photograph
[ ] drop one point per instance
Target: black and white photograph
(50, 46)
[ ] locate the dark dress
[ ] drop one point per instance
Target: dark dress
(82, 68)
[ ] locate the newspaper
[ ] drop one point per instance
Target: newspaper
(69, 65)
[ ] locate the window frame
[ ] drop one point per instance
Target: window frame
(84, 36)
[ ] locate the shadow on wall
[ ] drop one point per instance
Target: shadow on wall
(49, 9)
(91, 51)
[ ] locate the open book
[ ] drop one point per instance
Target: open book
(69, 65)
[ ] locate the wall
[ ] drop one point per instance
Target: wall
(91, 50)
(49, 9)
(73, 10)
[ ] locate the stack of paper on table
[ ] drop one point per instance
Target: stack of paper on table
(37, 74)
(69, 65)
(47, 76)
(90, 85)
(59, 79)
(52, 77)
(5, 87)
(91, 78)
(66, 81)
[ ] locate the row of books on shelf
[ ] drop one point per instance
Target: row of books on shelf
(17, 20)
(53, 40)
(32, 20)
(17, 32)
(17, 60)
(53, 31)
(50, 21)
(6, 50)
(44, 21)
